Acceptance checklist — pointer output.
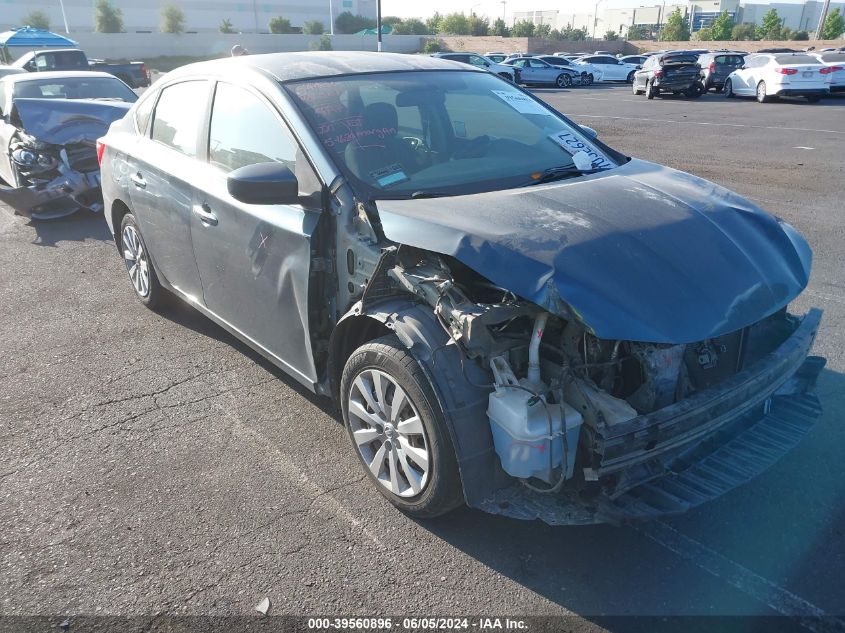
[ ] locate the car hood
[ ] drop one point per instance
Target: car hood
(67, 121)
(642, 252)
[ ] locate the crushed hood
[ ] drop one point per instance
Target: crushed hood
(642, 252)
(66, 121)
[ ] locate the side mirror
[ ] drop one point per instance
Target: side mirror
(264, 183)
(589, 132)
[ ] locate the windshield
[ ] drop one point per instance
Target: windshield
(75, 88)
(440, 132)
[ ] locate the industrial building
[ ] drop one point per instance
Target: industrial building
(247, 16)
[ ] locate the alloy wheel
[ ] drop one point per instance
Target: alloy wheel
(388, 433)
(137, 262)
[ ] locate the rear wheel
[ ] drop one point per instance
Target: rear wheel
(563, 81)
(138, 264)
(630, 78)
(398, 429)
(650, 90)
(694, 91)
(762, 97)
(813, 98)
(634, 88)
(729, 90)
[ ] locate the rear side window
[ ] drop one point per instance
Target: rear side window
(244, 131)
(786, 60)
(180, 114)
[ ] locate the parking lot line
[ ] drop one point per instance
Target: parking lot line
(773, 596)
(759, 127)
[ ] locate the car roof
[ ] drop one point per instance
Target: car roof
(57, 74)
(317, 64)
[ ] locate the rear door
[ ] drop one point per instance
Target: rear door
(254, 259)
(163, 173)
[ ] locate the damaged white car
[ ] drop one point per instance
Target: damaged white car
(49, 126)
(510, 313)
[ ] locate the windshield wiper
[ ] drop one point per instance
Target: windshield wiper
(416, 195)
(556, 173)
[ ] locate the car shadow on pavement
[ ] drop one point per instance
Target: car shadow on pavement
(79, 227)
(186, 316)
(607, 573)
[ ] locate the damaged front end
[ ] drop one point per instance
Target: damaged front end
(53, 156)
(601, 430)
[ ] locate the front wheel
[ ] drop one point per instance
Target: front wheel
(138, 264)
(729, 89)
(398, 430)
(813, 98)
(630, 78)
(762, 97)
(563, 81)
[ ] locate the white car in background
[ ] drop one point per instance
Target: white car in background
(479, 61)
(611, 68)
(772, 75)
(836, 62)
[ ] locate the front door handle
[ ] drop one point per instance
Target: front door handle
(138, 180)
(203, 212)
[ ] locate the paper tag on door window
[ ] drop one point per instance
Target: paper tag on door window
(520, 102)
(581, 151)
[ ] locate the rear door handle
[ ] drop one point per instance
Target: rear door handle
(138, 180)
(203, 212)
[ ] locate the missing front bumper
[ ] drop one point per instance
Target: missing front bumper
(66, 193)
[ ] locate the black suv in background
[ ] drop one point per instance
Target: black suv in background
(715, 68)
(677, 72)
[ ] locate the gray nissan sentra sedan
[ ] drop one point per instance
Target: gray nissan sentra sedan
(510, 313)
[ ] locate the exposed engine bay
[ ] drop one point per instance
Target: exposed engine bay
(556, 389)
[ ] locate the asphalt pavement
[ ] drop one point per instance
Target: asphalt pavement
(150, 463)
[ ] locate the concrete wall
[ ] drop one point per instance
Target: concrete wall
(140, 46)
(751, 47)
(492, 44)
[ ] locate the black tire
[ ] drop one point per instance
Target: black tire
(590, 79)
(155, 295)
(442, 491)
(637, 92)
(630, 77)
(563, 81)
(694, 91)
(728, 89)
(762, 98)
(813, 98)
(650, 91)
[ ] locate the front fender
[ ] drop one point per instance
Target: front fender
(461, 388)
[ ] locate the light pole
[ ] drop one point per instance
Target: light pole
(596, 17)
(504, 7)
(64, 15)
(378, 24)
(331, 18)
(822, 18)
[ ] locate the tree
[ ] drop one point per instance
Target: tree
(542, 30)
(37, 20)
(454, 24)
(314, 27)
(323, 44)
(638, 32)
(226, 26)
(500, 28)
(771, 27)
(172, 19)
(410, 26)
(348, 23)
(611, 36)
(801, 36)
(722, 27)
(705, 34)
(676, 28)
(834, 25)
(392, 21)
(479, 25)
(523, 28)
(433, 46)
(107, 18)
(280, 25)
(433, 23)
(745, 31)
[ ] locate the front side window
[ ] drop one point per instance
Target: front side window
(244, 131)
(394, 134)
(179, 115)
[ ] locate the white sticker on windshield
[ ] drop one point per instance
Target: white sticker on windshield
(520, 102)
(584, 155)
